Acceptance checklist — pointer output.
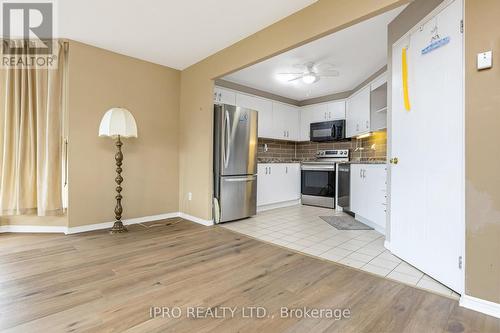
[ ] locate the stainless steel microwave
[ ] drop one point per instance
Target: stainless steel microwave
(328, 131)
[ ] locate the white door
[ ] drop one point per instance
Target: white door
(427, 184)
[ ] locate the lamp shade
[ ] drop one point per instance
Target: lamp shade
(118, 121)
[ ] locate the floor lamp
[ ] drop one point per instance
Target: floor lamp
(118, 123)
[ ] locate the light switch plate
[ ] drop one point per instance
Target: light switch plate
(485, 60)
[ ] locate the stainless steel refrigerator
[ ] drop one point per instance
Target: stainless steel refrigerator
(235, 162)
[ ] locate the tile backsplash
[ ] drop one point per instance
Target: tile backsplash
(373, 147)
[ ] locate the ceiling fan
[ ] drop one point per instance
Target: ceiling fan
(311, 73)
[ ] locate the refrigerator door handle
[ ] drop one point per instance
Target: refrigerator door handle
(240, 179)
(227, 148)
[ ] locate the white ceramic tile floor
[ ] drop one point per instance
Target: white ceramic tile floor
(300, 228)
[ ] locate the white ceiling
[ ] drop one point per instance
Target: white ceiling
(356, 52)
(174, 33)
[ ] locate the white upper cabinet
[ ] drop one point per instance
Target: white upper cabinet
(336, 110)
(224, 96)
(265, 109)
(306, 115)
(316, 113)
(358, 113)
(286, 122)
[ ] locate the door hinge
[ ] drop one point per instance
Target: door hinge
(460, 262)
(462, 26)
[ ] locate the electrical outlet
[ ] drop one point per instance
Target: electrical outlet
(190, 196)
(485, 60)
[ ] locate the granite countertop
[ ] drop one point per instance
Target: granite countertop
(277, 160)
(367, 162)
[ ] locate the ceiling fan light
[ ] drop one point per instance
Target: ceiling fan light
(309, 78)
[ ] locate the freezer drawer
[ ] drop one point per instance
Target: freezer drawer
(238, 197)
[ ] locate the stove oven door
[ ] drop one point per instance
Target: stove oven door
(318, 185)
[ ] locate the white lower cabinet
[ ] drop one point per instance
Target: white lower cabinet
(277, 183)
(368, 193)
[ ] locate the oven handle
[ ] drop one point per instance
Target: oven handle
(318, 168)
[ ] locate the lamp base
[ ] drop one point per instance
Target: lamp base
(118, 228)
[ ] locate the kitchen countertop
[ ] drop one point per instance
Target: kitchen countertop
(367, 162)
(275, 160)
(267, 161)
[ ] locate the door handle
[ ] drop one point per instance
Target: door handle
(240, 179)
(394, 160)
(227, 150)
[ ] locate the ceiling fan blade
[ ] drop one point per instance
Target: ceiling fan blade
(290, 73)
(330, 74)
(297, 78)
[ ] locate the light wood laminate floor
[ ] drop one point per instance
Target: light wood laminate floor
(95, 282)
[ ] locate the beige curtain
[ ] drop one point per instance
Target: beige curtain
(31, 139)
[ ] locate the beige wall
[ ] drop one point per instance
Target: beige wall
(482, 120)
(317, 20)
(99, 80)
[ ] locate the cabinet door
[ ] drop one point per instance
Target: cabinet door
(375, 177)
(358, 113)
(285, 121)
(224, 96)
(305, 123)
(265, 109)
(291, 182)
(357, 189)
(336, 110)
(263, 186)
(319, 113)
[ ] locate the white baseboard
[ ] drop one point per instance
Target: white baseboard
(32, 229)
(100, 226)
(387, 245)
(108, 225)
(196, 219)
(480, 305)
(278, 205)
(370, 224)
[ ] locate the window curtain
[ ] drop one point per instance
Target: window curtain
(31, 139)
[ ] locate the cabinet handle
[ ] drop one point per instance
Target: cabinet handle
(360, 173)
(367, 124)
(269, 170)
(357, 127)
(329, 115)
(286, 169)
